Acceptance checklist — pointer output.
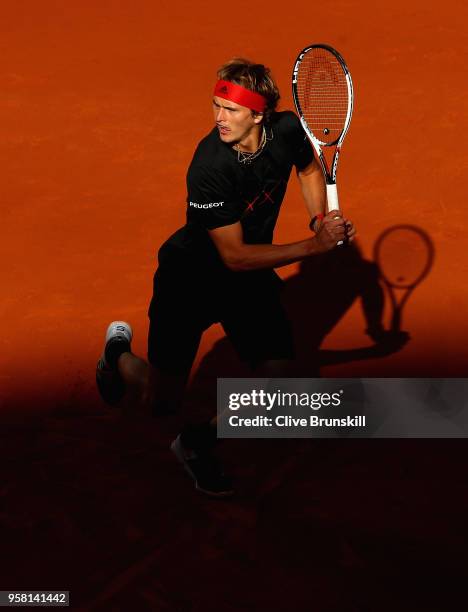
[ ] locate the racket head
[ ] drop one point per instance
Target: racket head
(323, 94)
(404, 255)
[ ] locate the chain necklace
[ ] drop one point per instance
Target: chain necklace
(247, 157)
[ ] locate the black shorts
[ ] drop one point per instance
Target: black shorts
(187, 301)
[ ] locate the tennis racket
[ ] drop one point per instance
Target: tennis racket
(323, 96)
(404, 255)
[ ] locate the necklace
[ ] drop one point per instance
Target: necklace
(247, 157)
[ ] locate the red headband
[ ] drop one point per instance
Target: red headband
(240, 95)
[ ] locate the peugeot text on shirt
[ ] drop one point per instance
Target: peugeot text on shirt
(207, 205)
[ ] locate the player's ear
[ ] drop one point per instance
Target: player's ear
(257, 117)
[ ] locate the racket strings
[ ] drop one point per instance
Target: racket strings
(322, 92)
(404, 257)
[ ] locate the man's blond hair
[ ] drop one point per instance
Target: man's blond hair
(255, 77)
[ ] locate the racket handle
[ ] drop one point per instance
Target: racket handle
(332, 200)
(396, 320)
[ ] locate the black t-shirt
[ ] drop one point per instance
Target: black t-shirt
(222, 191)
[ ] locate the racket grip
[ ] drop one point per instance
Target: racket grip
(332, 201)
(332, 198)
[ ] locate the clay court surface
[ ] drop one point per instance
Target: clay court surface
(102, 106)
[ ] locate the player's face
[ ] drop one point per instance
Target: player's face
(235, 123)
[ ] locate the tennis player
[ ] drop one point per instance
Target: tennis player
(219, 266)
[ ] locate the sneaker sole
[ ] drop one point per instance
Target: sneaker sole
(126, 331)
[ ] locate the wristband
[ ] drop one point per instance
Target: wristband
(318, 217)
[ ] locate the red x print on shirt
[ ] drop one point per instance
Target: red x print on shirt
(266, 196)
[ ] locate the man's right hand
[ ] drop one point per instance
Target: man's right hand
(331, 231)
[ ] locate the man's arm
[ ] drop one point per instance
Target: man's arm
(313, 189)
(237, 255)
(315, 196)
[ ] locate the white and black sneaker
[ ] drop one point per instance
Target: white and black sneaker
(109, 382)
(205, 470)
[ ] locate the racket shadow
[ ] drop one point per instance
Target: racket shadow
(344, 276)
(320, 295)
(404, 255)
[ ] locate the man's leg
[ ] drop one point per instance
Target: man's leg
(158, 386)
(261, 336)
(173, 341)
(194, 449)
(121, 374)
(155, 392)
(194, 446)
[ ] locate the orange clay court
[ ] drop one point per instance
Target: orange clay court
(102, 106)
